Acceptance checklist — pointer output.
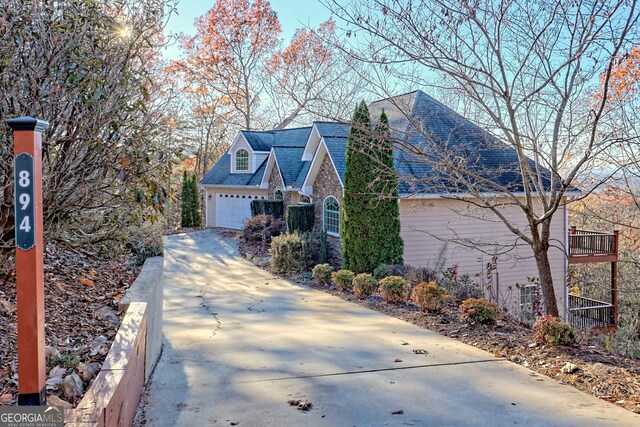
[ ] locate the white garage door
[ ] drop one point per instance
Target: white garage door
(232, 210)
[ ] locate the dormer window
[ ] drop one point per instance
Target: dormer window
(242, 160)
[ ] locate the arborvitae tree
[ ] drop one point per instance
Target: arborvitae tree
(190, 206)
(385, 218)
(355, 218)
(185, 202)
(195, 203)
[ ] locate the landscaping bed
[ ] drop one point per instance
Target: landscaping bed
(598, 371)
(587, 365)
(81, 296)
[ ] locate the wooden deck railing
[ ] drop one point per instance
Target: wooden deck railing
(589, 246)
(588, 313)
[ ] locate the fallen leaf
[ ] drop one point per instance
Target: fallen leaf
(55, 377)
(86, 282)
(8, 307)
(302, 405)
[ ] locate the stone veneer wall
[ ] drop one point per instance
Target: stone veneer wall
(326, 184)
(275, 183)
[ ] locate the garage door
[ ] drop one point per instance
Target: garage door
(232, 209)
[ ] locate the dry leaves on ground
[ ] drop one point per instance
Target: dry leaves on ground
(81, 295)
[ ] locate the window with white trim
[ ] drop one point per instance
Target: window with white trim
(305, 199)
(278, 195)
(331, 215)
(242, 160)
(527, 295)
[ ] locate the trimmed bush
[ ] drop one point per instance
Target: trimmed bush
(429, 297)
(552, 330)
(413, 275)
(477, 310)
(381, 272)
(343, 279)
(364, 285)
(398, 269)
(394, 289)
(322, 273)
(275, 208)
(300, 218)
(288, 254)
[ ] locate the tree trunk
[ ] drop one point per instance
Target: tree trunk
(541, 253)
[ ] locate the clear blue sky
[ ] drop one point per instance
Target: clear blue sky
(292, 14)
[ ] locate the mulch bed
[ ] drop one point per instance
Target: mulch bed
(81, 296)
(599, 372)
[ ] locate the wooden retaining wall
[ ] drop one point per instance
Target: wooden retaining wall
(113, 397)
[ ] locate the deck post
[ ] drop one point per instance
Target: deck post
(614, 278)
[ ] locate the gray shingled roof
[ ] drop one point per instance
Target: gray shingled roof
(264, 140)
(330, 129)
(481, 151)
(220, 174)
(258, 140)
(289, 162)
(306, 165)
(337, 150)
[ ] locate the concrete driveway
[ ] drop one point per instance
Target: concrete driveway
(239, 343)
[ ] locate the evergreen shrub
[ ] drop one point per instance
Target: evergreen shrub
(394, 289)
(343, 279)
(322, 273)
(300, 218)
(364, 285)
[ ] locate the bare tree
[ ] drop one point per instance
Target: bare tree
(537, 72)
(310, 79)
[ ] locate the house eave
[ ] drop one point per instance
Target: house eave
(253, 187)
(414, 196)
(307, 187)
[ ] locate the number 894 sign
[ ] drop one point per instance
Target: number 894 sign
(23, 179)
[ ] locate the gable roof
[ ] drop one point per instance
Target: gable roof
(332, 129)
(264, 140)
(220, 174)
(337, 148)
(424, 122)
(414, 118)
(288, 160)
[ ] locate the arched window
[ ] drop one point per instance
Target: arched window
(278, 195)
(331, 215)
(242, 160)
(305, 199)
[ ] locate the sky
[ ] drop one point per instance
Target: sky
(292, 14)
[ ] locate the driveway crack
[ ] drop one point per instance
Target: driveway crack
(368, 371)
(209, 310)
